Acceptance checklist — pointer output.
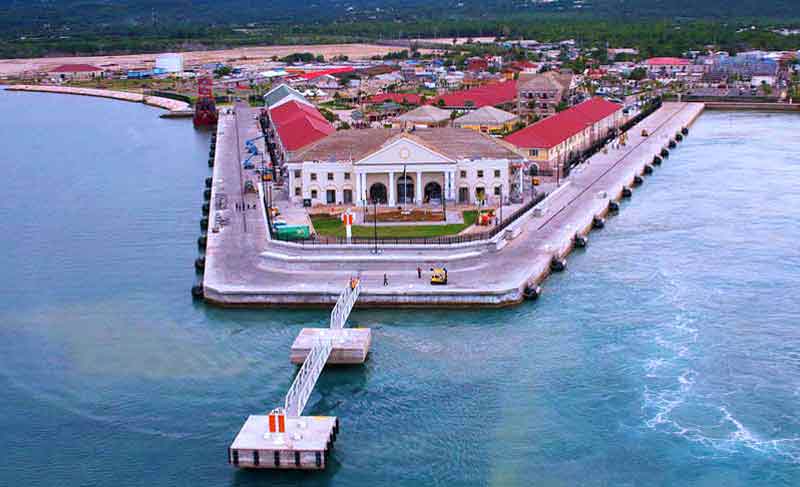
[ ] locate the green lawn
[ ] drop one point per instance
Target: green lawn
(330, 226)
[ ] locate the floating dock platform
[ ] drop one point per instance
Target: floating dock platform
(306, 445)
(350, 345)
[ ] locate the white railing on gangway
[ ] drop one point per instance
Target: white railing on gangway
(345, 304)
(306, 378)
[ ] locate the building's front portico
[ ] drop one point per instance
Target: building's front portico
(404, 172)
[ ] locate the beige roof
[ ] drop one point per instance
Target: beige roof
(356, 144)
(425, 114)
(487, 115)
(548, 81)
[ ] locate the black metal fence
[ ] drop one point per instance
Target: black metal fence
(442, 240)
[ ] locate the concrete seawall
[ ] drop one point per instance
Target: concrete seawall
(767, 107)
(247, 269)
(174, 106)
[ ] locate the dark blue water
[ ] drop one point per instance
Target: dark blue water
(668, 354)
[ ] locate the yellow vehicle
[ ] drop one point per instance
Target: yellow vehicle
(439, 276)
(535, 181)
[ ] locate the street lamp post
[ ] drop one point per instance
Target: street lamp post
(444, 195)
(375, 224)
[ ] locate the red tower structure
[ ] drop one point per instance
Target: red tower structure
(205, 109)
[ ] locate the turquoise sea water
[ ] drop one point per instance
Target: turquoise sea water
(668, 353)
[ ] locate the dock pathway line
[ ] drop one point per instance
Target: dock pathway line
(174, 106)
(246, 268)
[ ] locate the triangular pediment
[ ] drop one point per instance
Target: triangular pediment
(404, 150)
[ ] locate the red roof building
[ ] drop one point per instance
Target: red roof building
(667, 61)
(76, 68)
(558, 138)
(401, 98)
(299, 125)
(477, 64)
(309, 75)
(493, 94)
(76, 71)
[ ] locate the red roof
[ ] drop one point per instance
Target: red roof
(75, 68)
(407, 98)
(487, 95)
(553, 130)
(299, 124)
(316, 74)
(667, 61)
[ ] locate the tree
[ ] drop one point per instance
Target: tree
(320, 58)
(222, 71)
(638, 74)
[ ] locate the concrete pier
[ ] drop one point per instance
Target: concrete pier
(176, 108)
(306, 445)
(246, 268)
(350, 345)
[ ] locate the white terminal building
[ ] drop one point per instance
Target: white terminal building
(394, 166)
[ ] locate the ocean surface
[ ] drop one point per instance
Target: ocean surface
(667, 354)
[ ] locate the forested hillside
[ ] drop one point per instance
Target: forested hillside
(34, 28)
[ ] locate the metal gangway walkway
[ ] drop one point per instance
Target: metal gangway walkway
(317, 357)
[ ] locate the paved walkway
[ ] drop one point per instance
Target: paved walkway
(273, 273)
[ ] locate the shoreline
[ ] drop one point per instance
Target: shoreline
(244, 268)
(174, 107)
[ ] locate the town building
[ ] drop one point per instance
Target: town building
(541, 93)
(557, 139)
(487, 119)
(294, 122)
(501, 95)
(393, 166)
(170, 63)
(667, 67)
(424, 116)
(76, 72)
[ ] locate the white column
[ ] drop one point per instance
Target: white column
(391, 188)
(358, 188)
(450, 184)
(291, 184)
(418, 188)
(364, 187)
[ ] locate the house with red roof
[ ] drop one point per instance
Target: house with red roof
(558, 138)
(502, 94)
(667, 65)
(295, 123)
(76, 71)
(399, 98)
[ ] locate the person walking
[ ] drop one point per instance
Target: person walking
(385, 279)
(419, 272)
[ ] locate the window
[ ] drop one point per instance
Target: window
(330, 176)
(297, 173)
(497, 173)
(347, 176)
(313, 194)
(480, 173)
(297, 191)
(497, 190)
(313, 176)
(533, 152)
(330, 196)
(463, 174)
(347, 195)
